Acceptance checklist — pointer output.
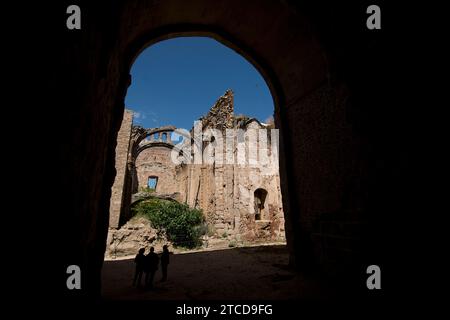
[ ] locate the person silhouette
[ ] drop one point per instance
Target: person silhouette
(139, 260)
(164, 262)
(151, 263)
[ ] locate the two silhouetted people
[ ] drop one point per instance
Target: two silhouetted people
(164, 262)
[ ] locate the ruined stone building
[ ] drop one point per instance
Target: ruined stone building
(238, 192)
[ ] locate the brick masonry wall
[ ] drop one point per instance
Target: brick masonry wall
(156, 161)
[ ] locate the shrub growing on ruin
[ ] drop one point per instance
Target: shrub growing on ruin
(147, 190)
(179, 223)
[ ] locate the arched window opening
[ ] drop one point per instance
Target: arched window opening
(260, 196)
(152, 182)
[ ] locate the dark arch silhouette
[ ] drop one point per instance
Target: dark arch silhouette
(315, 60)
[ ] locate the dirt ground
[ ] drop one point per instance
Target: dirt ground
(244, 273)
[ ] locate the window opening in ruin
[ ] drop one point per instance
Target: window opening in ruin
(260, 198)
(152, 182)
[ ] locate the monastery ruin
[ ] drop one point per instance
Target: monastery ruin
(239, 199)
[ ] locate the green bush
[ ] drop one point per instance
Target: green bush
(179, 223)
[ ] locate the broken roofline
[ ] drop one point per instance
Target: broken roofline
(250, 147)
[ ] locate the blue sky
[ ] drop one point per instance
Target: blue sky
(176, 81)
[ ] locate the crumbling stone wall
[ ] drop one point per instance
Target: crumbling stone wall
(225, 191)
(156, 162)
(221, 115)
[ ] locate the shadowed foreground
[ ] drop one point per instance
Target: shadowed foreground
(238, 273)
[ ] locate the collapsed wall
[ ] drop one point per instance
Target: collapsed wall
(238, 199)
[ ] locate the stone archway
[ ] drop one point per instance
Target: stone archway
(283, 98)
(125, 185)
(325, 171)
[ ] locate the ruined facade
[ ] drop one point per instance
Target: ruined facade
(238, 192)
